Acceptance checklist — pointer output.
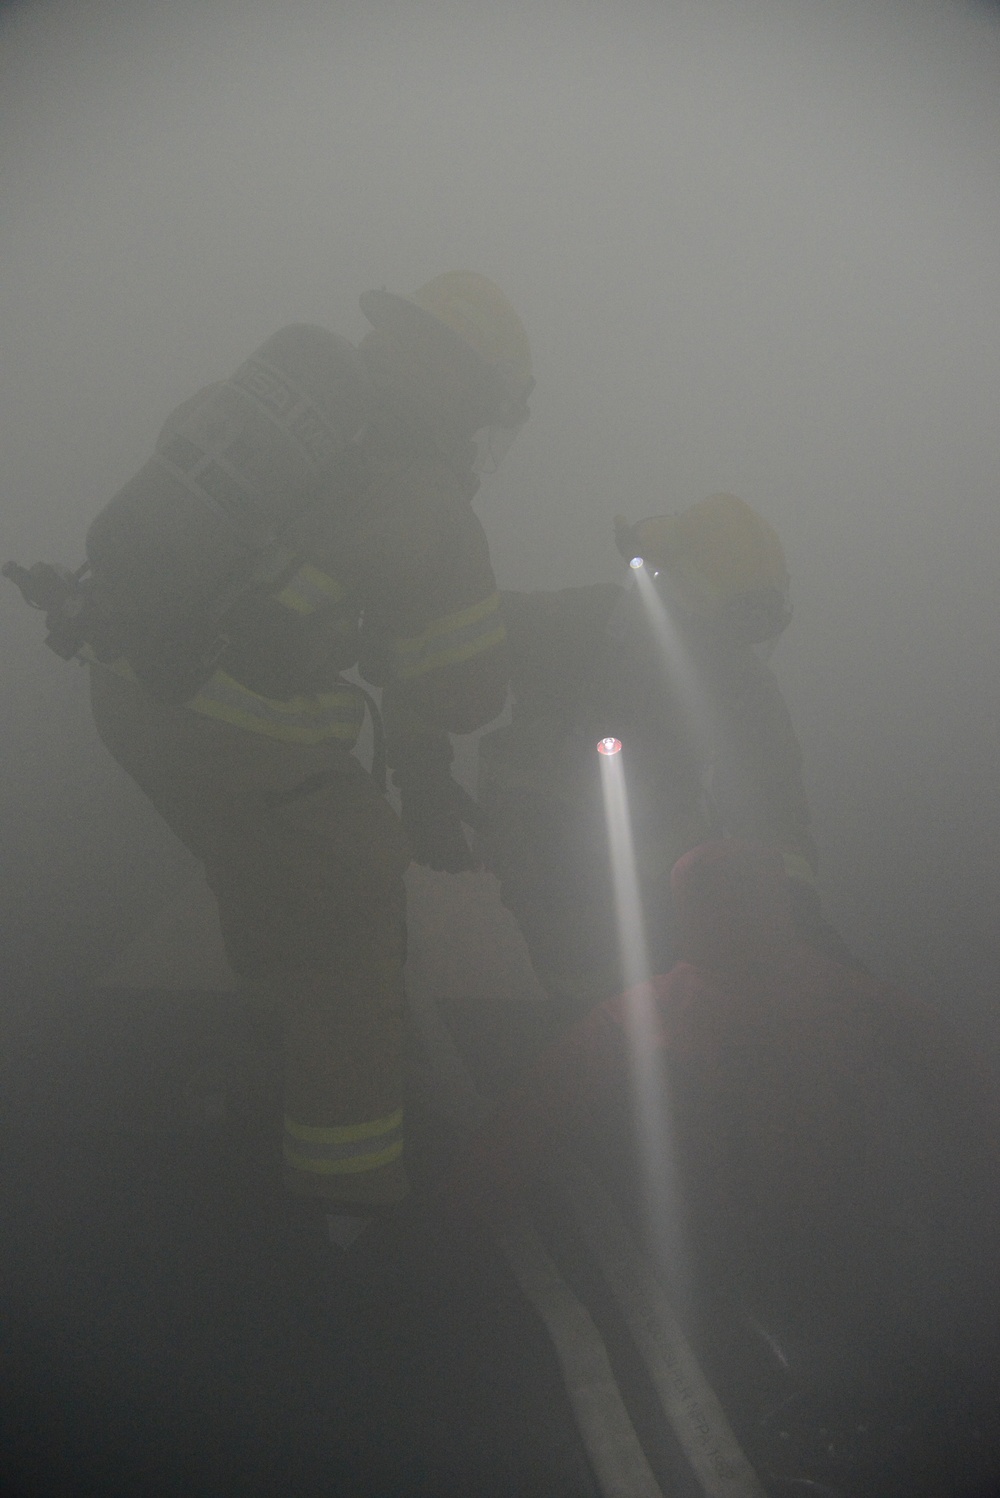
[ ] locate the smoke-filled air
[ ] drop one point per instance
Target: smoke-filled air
(715, 248)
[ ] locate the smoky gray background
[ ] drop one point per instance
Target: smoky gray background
(755, 246)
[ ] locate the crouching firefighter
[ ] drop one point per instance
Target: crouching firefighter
(306, 516)
(793, 1157)
(674, 665)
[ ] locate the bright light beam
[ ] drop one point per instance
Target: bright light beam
(649, 1102)
(706, 731)
(677, 664)
(710, 736)
(628, 906)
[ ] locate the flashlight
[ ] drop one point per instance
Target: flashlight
(609, 746)
(635, 563)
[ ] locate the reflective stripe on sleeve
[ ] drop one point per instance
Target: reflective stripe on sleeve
(120, 667)
(346, 1149)
(309, 590)
(299, 720)
(450, 639)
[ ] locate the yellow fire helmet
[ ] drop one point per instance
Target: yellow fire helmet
(475, 310)
(478, 311)
(721, 561)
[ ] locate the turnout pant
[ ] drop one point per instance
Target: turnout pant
(306, 859)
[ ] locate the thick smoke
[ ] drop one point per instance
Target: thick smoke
(755, 248)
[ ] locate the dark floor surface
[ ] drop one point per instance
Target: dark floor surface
(174, 1326)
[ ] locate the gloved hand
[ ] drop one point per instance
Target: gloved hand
(433, 807)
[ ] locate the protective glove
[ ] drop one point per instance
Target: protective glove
(433, 808)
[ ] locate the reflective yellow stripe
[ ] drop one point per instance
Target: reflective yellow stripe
(299, 720)
(449, 622)
(352, 1166)
(120, 667)
(450, 639)
(344, 1133)
(309, 589)
(458, 653)
(345, 1149)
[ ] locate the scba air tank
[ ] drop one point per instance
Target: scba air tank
(233, 469)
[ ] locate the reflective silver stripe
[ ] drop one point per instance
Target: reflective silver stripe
(300, 720)
(450, 639)
(608, 1434)
(309, 589)
(345, 1149)
(686, 1397)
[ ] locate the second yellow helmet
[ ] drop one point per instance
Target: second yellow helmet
(721, 560)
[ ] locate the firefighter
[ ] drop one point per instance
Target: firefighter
(253, 770)
(809, 1155)
(815, 1116)
(673, 665)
